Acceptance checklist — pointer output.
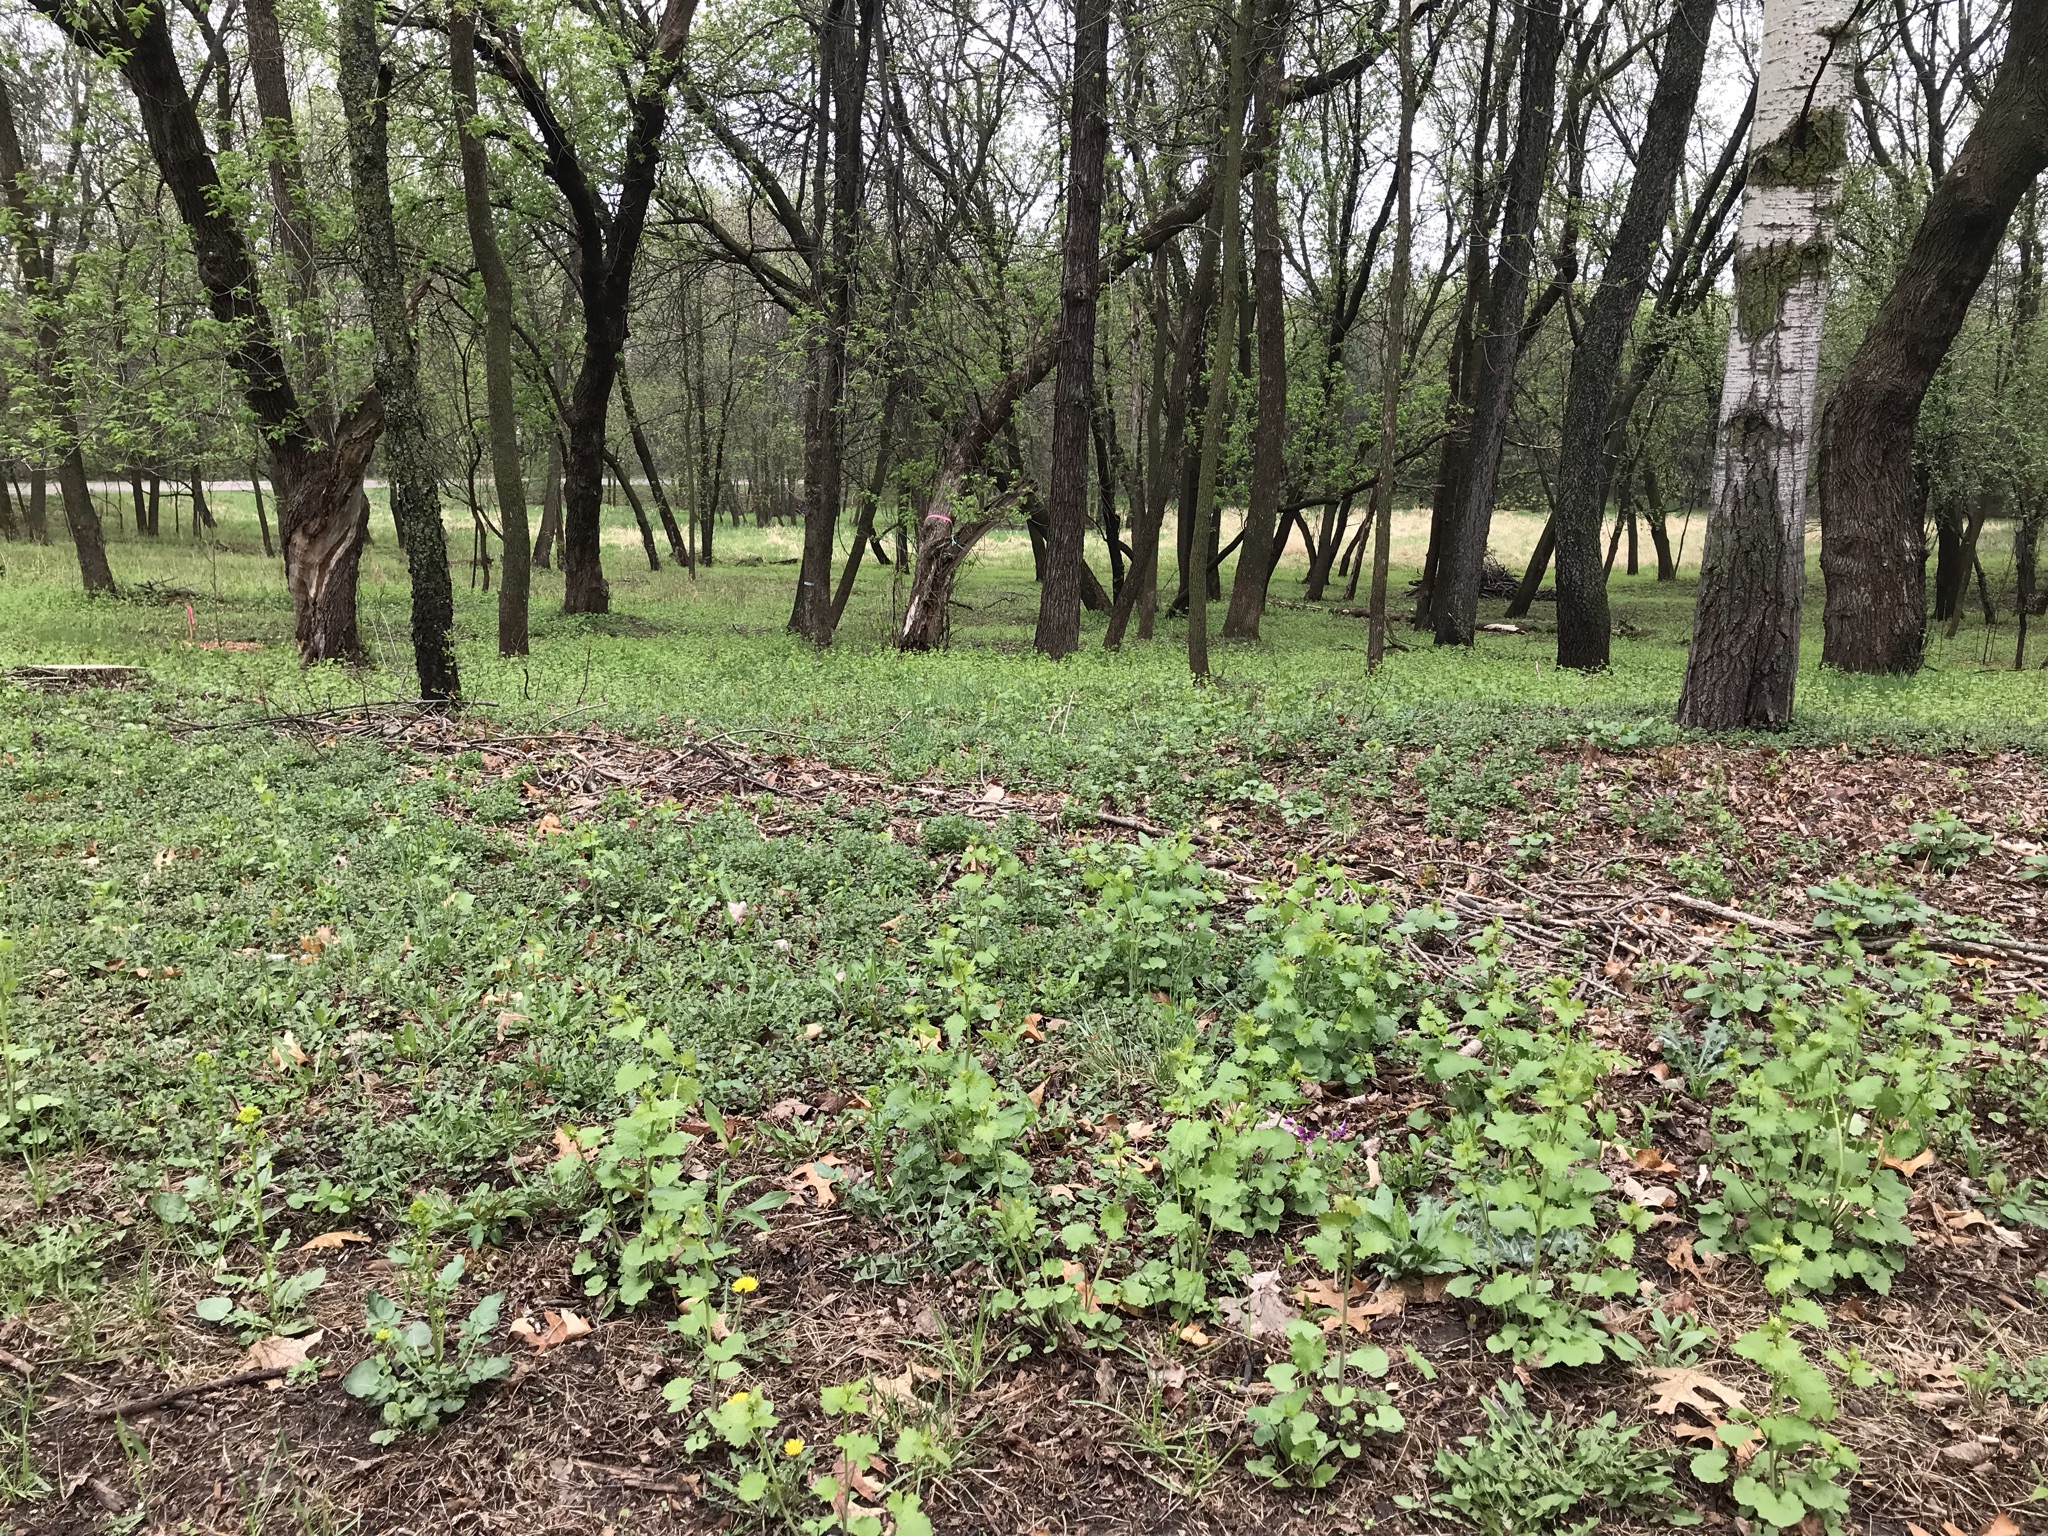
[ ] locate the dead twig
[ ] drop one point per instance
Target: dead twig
(140, 1405)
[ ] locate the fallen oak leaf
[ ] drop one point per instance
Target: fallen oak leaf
(1680, 1386)
(1650, 1160)
(2000, 1524)
(287, 1049)
(328, 1240)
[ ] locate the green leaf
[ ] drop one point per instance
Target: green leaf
(213, 1309)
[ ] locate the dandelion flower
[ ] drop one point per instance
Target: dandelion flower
(746, 1283)
(793, 1446)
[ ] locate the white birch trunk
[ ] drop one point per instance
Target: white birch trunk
(1745, 644)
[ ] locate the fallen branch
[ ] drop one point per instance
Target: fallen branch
(1732, 915)
(142, 1405)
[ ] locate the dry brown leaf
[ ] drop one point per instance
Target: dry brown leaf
(328, 1240)
(566, 1147)
(548, 825)
(280, 1352)
(897, 1388)
(1191, 1333)
(1650, 1160)
(1680, 1386)
(1262, 1311)
(287, 1050)
(1355, 1311)
(555, 1328)
(2000, 1524)
(812, 1031)
(1911, 1165)
(1678, 1253)
(1651, 1197)
(815, 1183)
(1078, 1277)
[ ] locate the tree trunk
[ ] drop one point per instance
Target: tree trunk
(38, 507)
(1148, 515)
(1396, 324)
(678, 549)
(52, 361)
(279, 146)
(10, 530)
(508, 471)
(625, 484)
(365, 84)
(1584, 462)
(1066, 511)
(1745, 645)
(550, 507)
(1269, 427)
(317, 474)
(1216, 411)
(1872, 553)
(1498, 342)
(845, 43)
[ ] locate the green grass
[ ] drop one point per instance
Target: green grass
(714, 650)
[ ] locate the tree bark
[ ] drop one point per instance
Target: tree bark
(508, 471)
(1396, 329)
(1872, 553)
(844, 45)
(1745, 646)
(1498, 341)
(1222, 363)
(415, 493)
(292, 218)
(1066, 511)
(1584, 466)
(1269, 427)
(550, 507)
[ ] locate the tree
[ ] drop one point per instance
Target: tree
(1066, 502)
(1745, 642)
(607, 241)
(318, 475)
(844, 48)
(35, 244)
(1873, 552)
(1223, 349)
(1390, 369)
(1497, 344)
(508, 473)
(1584, 465)
(408, 450)
(1269, 426)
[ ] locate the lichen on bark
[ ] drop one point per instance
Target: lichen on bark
(1765, 274)
(1809, 153)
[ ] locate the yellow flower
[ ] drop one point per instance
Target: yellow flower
(738, 1397)
(248, 1114)
(746, 1283)
(793, 1446)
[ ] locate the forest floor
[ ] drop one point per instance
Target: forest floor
(973, 1094)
